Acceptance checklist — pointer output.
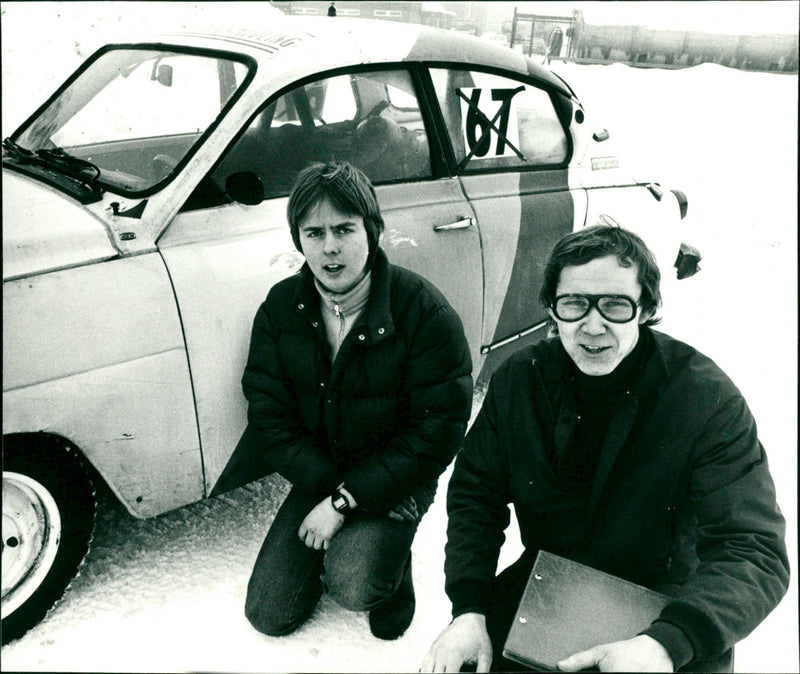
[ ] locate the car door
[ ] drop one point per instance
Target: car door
(511, 150)
(223, 256)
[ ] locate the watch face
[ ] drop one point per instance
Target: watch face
(340, 504)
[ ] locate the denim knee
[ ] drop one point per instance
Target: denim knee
(357, 593)
(267, 620)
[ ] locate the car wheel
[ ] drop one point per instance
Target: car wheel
(48, 519)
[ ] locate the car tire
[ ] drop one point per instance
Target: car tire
(48, 521)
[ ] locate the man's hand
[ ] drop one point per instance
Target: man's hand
(640, 654)
(320, 525)
(405, 511)
(463, 640)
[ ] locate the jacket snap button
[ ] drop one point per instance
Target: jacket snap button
(361, 337)
(322, 384)
(381, 331)
(301, 306)
(315, 324)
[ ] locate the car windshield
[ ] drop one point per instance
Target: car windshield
(134, 113)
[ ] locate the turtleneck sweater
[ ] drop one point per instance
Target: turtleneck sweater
(341, 310)
(597, 399)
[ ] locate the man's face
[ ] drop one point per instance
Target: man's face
(335, 246)
(595, 344)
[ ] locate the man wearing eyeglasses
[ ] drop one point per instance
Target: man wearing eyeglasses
(622, 449)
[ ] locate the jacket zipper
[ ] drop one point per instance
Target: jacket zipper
(338, 313)
(672, 527)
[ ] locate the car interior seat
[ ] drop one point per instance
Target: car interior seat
(386, 151)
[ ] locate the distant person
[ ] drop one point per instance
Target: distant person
(332, 9)
(556, 42)
(359, 388)
(622, 449)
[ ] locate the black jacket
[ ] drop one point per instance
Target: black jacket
(390, 413)
(682, 500)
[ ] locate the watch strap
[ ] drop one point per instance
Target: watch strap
(340, 503)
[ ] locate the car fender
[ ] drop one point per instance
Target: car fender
(95, 354)
(43, 231)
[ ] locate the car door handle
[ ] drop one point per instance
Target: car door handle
(458, 224)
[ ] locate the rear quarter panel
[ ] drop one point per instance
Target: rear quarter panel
(657, 222)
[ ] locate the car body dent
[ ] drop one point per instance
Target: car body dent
(144, 444)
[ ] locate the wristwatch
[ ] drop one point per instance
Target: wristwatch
(340, 503)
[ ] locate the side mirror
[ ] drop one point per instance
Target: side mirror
(688, 261)
(245, 188)
(164, 75)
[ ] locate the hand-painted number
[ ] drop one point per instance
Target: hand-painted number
(478, 123)
(478, 146)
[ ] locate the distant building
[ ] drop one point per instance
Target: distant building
(438, 14)
(569, 37)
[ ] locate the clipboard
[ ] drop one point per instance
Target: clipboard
(568, 607)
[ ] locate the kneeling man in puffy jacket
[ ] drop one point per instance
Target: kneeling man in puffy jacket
(622, 449)
(359, 388)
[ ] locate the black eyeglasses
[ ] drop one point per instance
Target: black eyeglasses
(614, 308)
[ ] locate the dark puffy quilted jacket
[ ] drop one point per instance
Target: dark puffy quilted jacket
(390, 413)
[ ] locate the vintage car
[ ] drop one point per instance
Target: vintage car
(144, 222)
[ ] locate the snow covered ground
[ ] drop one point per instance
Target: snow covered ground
(167, 594)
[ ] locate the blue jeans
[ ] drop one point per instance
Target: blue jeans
(362, 567)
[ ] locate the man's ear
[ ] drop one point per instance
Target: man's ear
(552, 324)
(645, 316)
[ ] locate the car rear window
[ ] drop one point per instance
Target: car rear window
(495, 122)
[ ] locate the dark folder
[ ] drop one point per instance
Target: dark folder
(569, 607)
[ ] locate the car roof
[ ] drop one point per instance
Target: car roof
(301, 44)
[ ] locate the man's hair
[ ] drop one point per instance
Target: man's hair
(598, 241)
(347, 188)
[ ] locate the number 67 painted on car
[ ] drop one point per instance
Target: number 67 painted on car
(144, 222)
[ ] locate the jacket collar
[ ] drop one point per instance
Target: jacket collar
(643, 391)
(376, 323)
(351, 302)
(558, 368)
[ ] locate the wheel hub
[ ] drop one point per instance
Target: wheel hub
(31, 536)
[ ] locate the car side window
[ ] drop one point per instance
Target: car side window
(371, 119)
(496, 122)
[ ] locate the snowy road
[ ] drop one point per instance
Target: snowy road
(167, 594)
